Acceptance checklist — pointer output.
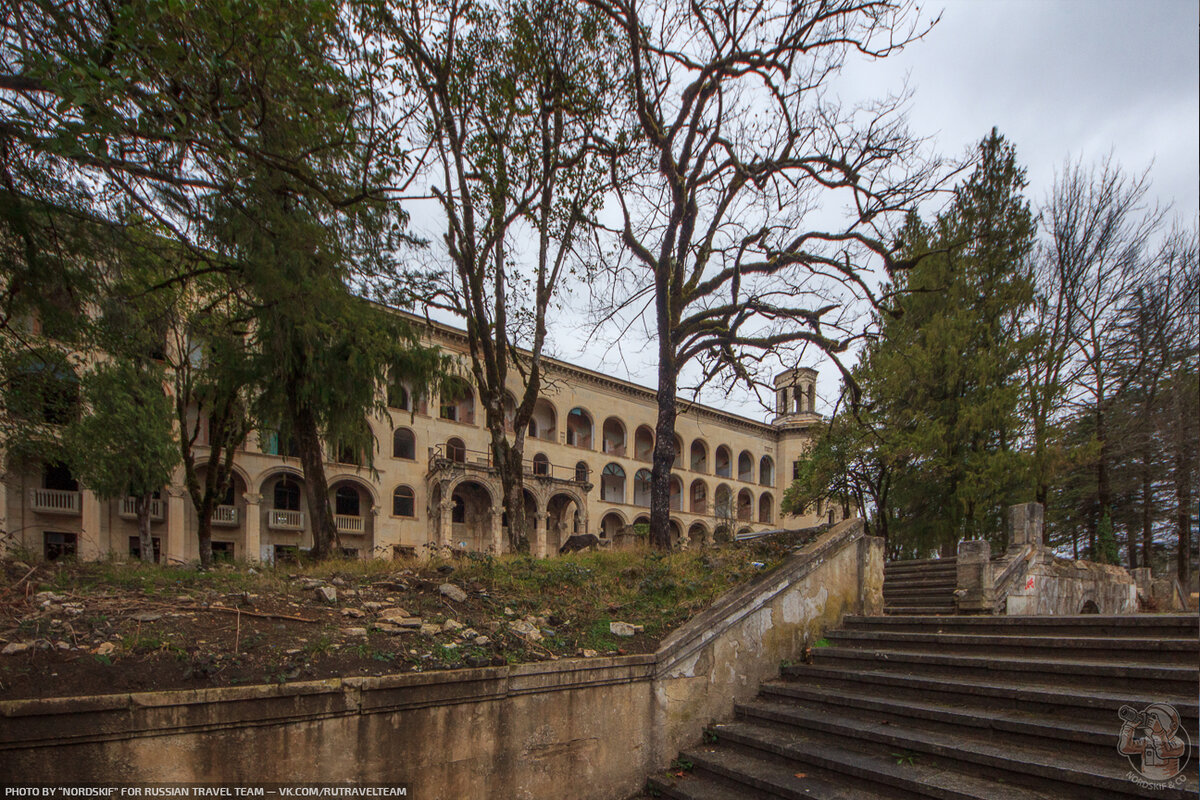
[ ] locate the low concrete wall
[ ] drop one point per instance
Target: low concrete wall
(589, 728)
(1059, 586)
(720, 657)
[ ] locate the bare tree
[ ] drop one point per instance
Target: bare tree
(733, 146)
(1100, 225)
(512, 99)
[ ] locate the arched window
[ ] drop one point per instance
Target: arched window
(612, 484)
(582, 472)
(745, 506)
(579, 428)
(641, 488)
(723, 463)
(613, 434)
(766, 508)
(699, 456)
(746, 467)
(699, 498)
(541, 464)
(676, 496)
(543, 423)
(458, 402)
(404, 444)
(456, 451)
(287, 495)
(346, 501)
(398, 397)
(643, 443)
(766, 471)
(677, 461)
(404, 502)
(723, 502)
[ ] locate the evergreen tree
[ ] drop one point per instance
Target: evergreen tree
(939, 382)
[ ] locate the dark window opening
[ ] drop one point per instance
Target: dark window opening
(346, 501)
(57, 475)
(287, 495)
(135, 548)
(58, 545)
(221, 551)
(404, 502)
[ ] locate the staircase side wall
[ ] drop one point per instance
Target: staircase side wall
(720, 658)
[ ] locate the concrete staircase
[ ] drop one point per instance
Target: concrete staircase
(920, 586)
(954, 708)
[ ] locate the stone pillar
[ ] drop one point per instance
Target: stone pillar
(176, 548)
(871, 557)
(497, 531)
(1025, 523)
(1144, 580)
(539, 535)
(252, 527)
(91, 545)
(976, 592)
(445, 531)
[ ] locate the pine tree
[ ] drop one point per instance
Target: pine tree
(941, 379)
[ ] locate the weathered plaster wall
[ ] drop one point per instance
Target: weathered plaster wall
(720, 657)
(1058, 586)
(588, 729)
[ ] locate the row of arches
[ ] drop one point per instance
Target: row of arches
(742, 506)
(404, 446)
(614, 522)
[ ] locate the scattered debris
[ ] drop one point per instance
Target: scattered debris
(453, 592)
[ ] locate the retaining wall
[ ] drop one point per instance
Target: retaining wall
(581, 728)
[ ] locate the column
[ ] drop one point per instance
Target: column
(91, 545)
(1025, 523)
(539, 535)
(252, 528)
(445, 531)
(975, 590)
(497, 531)
(177, 547)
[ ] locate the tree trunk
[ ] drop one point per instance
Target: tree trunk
(141, 506)
(664, 451)
(316, 490)
(512, 480)
(1184, 454)
(204, 528)
(1147, 513)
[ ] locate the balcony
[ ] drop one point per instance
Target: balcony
(345, 523)
(56, 501)
(129, 509)
(279, 519)
(225, 516)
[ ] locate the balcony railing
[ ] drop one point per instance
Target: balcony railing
(225, 516)
(482, 459)
(279, 519)
(346, 523)
(56, 501)
(129, 508)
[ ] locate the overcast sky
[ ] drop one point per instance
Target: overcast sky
(1060, 79)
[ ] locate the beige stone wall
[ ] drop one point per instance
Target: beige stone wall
(590, 729)
(101, 531)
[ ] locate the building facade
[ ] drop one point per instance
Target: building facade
(588, 453)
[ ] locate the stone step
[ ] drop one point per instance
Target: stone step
(905, 591)
(929, 609)
(1090, 704)
(1146, 626)
(923, 582)
(888, 769)
(1063, 734)
(921, 562)
(1140, 677)
(746, 772)
(1013, 761)
(1181, 652)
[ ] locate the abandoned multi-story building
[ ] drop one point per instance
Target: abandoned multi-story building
(588, 455)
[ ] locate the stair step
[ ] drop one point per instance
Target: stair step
(1182, 652)
(1148, 677)
(1145, 626)
(748, 769)
(939, 609)
(892, 773)
(1013, 757)
(1081, 735)
(1083, 704)
(920, 562)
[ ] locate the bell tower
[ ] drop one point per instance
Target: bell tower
(796, 395)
